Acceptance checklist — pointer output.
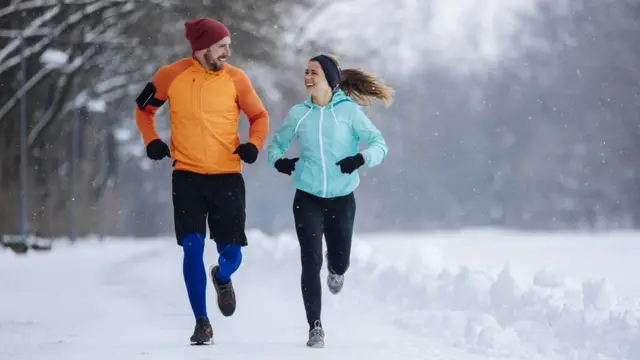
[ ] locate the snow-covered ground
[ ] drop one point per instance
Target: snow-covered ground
(467, 295)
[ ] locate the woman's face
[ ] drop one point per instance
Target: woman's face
(314, 79)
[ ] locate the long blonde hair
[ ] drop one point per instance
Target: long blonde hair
(362, 86)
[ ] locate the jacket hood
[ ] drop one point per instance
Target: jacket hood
(338, 97)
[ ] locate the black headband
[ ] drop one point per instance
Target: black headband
(330, 69)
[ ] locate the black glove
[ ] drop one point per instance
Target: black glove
(247, 152)
(351, 163)
(286, 166)
(158, 150)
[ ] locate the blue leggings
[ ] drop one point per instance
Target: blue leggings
(195, 275)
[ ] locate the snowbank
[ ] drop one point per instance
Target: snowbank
(492, 314)
(548, 316)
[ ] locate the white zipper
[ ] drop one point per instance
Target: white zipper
(324, 166)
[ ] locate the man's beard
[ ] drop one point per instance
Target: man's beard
(212, 63)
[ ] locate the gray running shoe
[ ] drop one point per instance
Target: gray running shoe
(334, 281)
(316, 337)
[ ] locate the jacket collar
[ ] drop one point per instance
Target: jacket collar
(338, 97)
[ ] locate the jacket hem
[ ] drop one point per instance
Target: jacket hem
(207, 171)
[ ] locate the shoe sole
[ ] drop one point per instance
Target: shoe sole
(316, 345)
(200, 343)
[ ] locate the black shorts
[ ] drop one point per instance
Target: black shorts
(215, 200)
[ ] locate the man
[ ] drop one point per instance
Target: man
(206, 96)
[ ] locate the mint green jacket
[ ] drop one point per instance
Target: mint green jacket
(326, 135)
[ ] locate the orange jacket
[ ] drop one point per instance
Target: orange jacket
(204, 109)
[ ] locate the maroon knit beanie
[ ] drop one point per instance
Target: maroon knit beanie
(202, 33)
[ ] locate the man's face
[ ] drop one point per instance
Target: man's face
(216, 55)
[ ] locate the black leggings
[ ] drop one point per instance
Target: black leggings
(314, 217)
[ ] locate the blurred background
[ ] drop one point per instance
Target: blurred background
(513, 114)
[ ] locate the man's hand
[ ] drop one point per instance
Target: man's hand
(158, 150)
(247, 152)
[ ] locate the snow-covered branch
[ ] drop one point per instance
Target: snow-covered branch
(113, 82)
(54, 33)
(120, 93)
(101, 87)
(26, 5)
(15, 33)
(33, 26)
(106, 31)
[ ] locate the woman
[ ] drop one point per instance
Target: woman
(328, 126)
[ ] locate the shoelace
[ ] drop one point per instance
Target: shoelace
(226, 295)
(335, 279)
(317, 330)
(202, 325)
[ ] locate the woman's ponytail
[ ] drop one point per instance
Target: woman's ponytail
(359, 85)
(363, 87)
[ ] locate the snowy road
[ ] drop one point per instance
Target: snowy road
(126, 300)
